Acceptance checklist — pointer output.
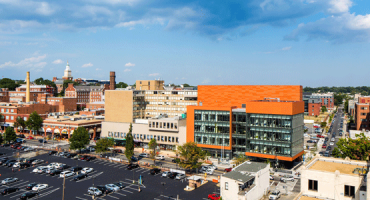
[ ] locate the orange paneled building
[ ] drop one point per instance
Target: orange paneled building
(257, 121)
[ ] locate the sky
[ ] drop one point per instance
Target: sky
(256, 42)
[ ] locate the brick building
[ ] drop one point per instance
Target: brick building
(316, 101)
(362, 113)
(19, 95)
(95, 105)
(86, 94)
(4, 95)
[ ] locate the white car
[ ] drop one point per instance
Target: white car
(212, 167)
(306, 135)
(87, 170)
(112, 187)
(159, 157)
(275, 195)
(94, 191)
(28, 149)
(39, 169)
(9, 180)
(16, 164)
(165, 174)
(331, 143)
(37, 162)
(40, 187)
(209, 171)
(144, 155)
(271, 177)
(287, 178)
(66, 174)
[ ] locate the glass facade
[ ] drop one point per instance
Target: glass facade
(280, 135)
(212, 127)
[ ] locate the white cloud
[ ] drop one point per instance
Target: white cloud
(127, 70)
(339, 6)
(154, 74)
(32, 62)
(129, 64)
(87, 65)
(286, 48)
(59, 61)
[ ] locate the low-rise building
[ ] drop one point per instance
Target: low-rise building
(86, 94)
(248, 181)
(332, 178)
(4, 95)
(314, 100)
(95, 105)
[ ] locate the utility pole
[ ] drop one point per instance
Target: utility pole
(64, 182)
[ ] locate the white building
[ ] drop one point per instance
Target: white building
(353, 133)
(332, 178)
(67, 73)
(248, 181)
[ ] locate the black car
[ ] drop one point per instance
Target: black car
(55, 172)
(3, 160)
(52, 152)
(329, 148)
(104, 189)
(5, 145)
(119, 184)
(24, 165)
(9, 190)
(132, 166)
(326, 139)
(42, 141)
(10, 164)
(80, 176)
(76, 169)
(63, 167)
(28, 195)
(155, 171)
(71, 155)
(30, 186)
(340, 134)
(31, 160)
(173, 175)
(8, 161)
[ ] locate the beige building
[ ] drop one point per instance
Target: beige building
(150, 84)
(332, 178)
(128, 105)
(168, 132)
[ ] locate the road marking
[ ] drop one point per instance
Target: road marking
(119, 193)
(11, 184)
(109, 195)
(168, 197)
(95, 196)
(45, 194)
(81, 198)
(90, 177)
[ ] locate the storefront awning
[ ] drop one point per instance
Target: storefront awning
(116, 138)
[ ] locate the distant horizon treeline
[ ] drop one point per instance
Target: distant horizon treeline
(364, 90)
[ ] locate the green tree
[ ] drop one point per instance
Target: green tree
(239, 160)
(323, 125)
(346, 106)
(186, 85)
(129, 152)
(1, 139)
(41, 81)
(190, 154)
(153, 146)
(8, 83)
(66, 82)
(19, 122)
(103, 144)
(323, 109)
(121, 85)
(355, 149)
(9, 134)
(79, 139)
(34, 122)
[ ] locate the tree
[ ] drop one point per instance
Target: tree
(8, 83)
(1, 139)
(323, 109)
(1, 117)
(41, 81)
(323, 125)
(346, 106)
(103, 144)
(19, 122)
(66, 82)
(9, 134)
(190, 154)
(153, 145)
(121, 85)
(129, 152)
(356, 149)
(239, 160)
(186, 85)
(34, 122)
(79, 139)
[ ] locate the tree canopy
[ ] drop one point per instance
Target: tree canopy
(153, 146)
(66, 82)
(79, 139)
(34, 122)
(357, 149)
(1, 139)
(364, 90)
(190, 154)
(19, 122)
(9, 134)
(41, 81)
(121, 85)
(129, 152)
(8, 83)
(103, 144)
(324, 109)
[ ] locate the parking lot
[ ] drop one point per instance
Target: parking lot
(105, 172)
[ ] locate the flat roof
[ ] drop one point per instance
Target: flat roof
(308, 198)
(343, 168)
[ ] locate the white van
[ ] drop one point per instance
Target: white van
(160, 157)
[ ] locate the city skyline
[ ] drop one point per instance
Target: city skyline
(266, 42)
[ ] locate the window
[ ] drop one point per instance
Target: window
(363, 120)
(226, 186)
(363, 114)
(349, 191)
(363, 108)
(7, 117)
(312, 185)
(12, 117)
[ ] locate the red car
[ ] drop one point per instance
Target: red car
(30, 138)
(324, 146)
(228, 169)
(320, 136)
(214, 196)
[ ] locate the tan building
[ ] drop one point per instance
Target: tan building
(150, 84)
(168, 132)
(332, 178)
(4, 95)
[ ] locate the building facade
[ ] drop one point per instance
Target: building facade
(256, 121)
(4, 95)
(86, 94)
(149, 84)
(67, 73)
(317, 100)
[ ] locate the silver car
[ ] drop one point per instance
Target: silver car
(180, 176)
(94, 191)
(9, 180)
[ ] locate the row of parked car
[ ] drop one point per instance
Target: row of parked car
(105, 189)
(60, 169)
(35, 187)
(71, 155)
(19, 163)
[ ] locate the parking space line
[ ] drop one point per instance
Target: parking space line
(45, 194)
(123, 190)
(110, 195)
(95, 197)
(12, 184)
(119, 193)
(81, 198)
(167, 197)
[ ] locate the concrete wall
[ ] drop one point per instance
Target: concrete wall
(119, 106)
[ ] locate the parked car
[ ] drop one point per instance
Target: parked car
(329, 148)
(159, 157)
(331, 143)
(42, 141)
(9, 190)
(323, 146)
(30, 186)
(176, 160)
(38, 161)
(332, 139)
(271, 177)
(212, 167)
(275, 195)
(180, 176)
(133, 158)
(166, 174)
(66, 174)
(155, 171)
(132, 166)
(287, 178)
(120, 185)
(112, 187)
(55, 172)
(28, 195)
(104, 189)
(39, 187)
(173, 175)
(30, 160)
(144, 155)
(76, 169)
(210, 171)
(24, 165)
(87, 170)
(94, 191)
(214, 196)
(30, 137)
(9, 180)
(320, 136)
(52, 152)
(117, 150)
(79, 177)
(228, 169)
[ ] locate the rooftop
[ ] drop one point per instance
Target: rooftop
(250, 167)
(308, 198)
(74, 119)
(239, 176)
(343, 167)
(245, 172)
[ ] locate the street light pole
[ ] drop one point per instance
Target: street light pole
(64, 182)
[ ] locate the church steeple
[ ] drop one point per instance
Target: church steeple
(67, 73)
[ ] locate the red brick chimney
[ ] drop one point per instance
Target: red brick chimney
(112, 81)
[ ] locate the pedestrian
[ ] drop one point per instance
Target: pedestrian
(12, 169)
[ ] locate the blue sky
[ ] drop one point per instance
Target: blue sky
(306, 42)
